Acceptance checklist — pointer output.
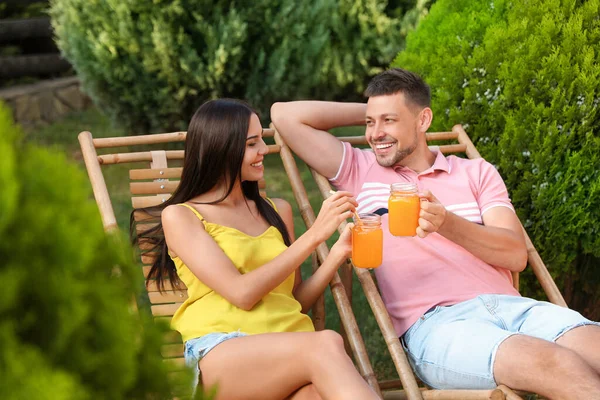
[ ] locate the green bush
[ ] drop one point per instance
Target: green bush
(523, 77)
(67, 330)
(149, 64)
(26, 9)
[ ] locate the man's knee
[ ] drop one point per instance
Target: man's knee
(559, 359)
(540, 355)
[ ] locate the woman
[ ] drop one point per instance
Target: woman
(243, 323)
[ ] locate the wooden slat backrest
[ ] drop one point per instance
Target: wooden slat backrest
(149, 186)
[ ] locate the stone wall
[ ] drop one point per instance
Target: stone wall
(45, 101)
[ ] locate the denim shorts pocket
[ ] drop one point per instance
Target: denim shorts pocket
(415, 327)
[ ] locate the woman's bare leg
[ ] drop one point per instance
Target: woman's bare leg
(308, 392)
(273, 366)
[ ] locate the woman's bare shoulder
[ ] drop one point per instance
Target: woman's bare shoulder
(282, 206)
(178, 214)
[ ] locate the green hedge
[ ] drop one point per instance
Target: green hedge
(67, 330)
(149, 64)
(524, 78)
(23, 9)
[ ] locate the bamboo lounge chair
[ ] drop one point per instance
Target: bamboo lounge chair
(407, 381)
(153, 176)
(152, 179)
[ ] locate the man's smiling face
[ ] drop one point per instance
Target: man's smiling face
(391, 129)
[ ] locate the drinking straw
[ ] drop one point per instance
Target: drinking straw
(358, 221)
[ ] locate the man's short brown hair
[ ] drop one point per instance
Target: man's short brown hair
(398, 80)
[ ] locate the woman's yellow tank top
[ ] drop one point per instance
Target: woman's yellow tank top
(205, 311)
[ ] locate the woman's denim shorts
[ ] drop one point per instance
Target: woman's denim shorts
(455, 346)
(196, 349)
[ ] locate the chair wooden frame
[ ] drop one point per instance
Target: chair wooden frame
(407, 381)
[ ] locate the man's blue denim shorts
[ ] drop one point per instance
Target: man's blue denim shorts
(455, 346)
(196, 349)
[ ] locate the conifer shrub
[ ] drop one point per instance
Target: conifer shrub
(149, 64)
(523, 77)
(67, 326)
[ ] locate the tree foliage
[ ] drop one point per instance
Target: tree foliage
(523, 77)
(150, 64)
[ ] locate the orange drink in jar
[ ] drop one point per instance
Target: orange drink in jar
(367, 241)
(404, 206)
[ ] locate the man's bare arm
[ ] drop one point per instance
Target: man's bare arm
(304, 125)
(498, 242)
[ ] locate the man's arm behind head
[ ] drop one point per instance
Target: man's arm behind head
(304, 125)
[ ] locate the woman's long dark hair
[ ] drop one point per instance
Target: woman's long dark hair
(214, 151)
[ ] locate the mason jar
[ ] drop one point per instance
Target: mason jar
(367, 241)
(404, 206)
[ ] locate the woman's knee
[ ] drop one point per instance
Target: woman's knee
(308, 392)
(331, 339)
(328, 342)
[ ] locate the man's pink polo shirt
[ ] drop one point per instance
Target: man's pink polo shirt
(418, 274)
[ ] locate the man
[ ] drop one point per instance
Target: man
(449, 289)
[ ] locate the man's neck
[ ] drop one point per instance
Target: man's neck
(420, 160)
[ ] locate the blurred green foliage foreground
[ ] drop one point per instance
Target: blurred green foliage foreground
(67, 328)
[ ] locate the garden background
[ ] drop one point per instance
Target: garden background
(522, 76)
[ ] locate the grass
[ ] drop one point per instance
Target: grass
(61, 136)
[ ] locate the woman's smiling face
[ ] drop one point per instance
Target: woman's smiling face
(252, 166)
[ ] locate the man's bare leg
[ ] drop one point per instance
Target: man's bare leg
(549, 369)
(585, 341)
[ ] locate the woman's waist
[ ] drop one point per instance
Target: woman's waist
(271, 314)
(214, 308)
